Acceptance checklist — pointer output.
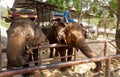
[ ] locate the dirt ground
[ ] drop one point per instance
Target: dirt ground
(82, 70)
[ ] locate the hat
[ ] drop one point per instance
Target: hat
(69, 6)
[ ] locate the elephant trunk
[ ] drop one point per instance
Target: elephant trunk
(15, 51)
(89, 53)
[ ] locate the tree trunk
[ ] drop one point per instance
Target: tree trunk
(104, 32)
(0, 52)
(117, 37)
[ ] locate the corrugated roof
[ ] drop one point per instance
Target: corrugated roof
(24, 4)
(31, 4)
(43, 8)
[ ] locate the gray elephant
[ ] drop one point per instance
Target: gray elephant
(22, 35)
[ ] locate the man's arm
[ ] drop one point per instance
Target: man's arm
(66, 15)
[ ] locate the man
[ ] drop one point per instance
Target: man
(67, 17)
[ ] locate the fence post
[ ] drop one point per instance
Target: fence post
(107, 71)
(0, 52)
(105, 48)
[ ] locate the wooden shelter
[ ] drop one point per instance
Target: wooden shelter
(42, 9)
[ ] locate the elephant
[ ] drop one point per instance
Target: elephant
(51, 32)
(73, 35)
(23, 34)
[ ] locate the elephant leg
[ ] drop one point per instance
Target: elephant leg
(9, 65)
(35, 55)
(56, 52)
(62, 52)
(8, 68)
(88, 52)
(51, 53)
(26, 74)
(69, 53)
(25, 66)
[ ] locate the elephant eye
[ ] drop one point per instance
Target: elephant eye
(13, 32)
(17, 30)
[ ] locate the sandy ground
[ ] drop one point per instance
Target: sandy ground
(82, 70)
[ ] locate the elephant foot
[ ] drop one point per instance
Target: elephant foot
(27, 74)
(98, 68)
(69, 67)
(63, 69)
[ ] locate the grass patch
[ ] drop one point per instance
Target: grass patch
(3, 23)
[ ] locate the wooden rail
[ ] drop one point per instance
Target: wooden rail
(58, 65)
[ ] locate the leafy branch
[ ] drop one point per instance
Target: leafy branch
(105, 5)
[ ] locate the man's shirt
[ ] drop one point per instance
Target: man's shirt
(67, 17)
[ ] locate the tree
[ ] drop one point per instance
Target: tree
(60, 3)
(114, 7)
(0, 52)
(117, 37)
(0, 45)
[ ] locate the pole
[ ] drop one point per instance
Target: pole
(107, 71)
(0, 52)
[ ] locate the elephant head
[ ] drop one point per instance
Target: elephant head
(73, 34)
(20, 33)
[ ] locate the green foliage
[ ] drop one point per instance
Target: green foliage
(113, 4)
(96, 9)
(3, 12)
(111, 15)
(3, 23)
(92, 7)
(107, 23)
(59, 3)
(64, 3)
(77, 5)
